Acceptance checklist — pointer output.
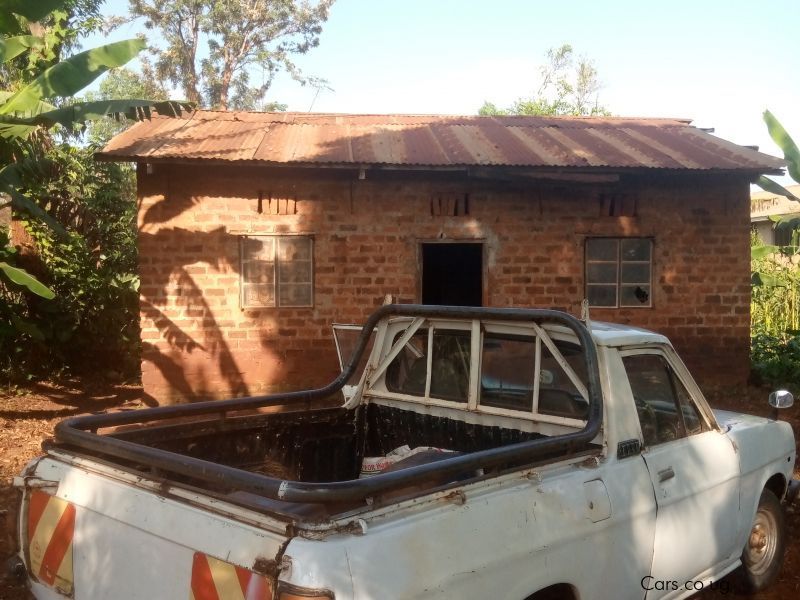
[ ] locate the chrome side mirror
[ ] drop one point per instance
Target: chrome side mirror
(781, 399)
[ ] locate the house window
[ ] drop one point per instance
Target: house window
(276, 271)
(619, 272)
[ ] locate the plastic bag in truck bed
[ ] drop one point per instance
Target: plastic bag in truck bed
(373, 465)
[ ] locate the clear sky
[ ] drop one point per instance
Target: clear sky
(719, 62)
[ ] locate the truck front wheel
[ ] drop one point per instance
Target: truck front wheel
(762, 556)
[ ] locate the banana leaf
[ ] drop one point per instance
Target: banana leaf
(23, 204)
(766, 184)
(81, 112)
(24, 279)
(12, 47)
(70, 76)
(76, 115)
(757, 252)
(790, 151)
(762, 279)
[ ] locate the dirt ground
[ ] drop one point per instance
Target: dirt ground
(27, 417)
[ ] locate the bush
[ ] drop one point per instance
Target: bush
(20, 338)
(91, 326)
(775, 314)
(776, 359)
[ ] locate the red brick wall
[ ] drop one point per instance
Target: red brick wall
(199, 343)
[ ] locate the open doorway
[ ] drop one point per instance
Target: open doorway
(452, 273)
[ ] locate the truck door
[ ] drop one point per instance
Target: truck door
(694, 470)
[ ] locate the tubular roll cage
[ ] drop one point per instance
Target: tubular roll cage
(81, 431)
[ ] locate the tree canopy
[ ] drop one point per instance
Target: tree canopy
(212, 49)
(568, 86)
(39, 85)
(54, 189)
(119, 84)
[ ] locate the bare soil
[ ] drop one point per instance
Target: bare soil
(27, 417)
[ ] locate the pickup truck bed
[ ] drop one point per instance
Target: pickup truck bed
(314, 456)
(324, 445)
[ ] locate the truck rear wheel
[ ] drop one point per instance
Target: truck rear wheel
(763, 552)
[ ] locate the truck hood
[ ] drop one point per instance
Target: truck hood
(759, 441)
(728, 419)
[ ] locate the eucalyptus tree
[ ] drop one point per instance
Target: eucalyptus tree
(567, 86)
(213, 49)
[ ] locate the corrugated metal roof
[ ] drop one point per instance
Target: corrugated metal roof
(434, 141)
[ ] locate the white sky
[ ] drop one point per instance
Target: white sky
(718, 62)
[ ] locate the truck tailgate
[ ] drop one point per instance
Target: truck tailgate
(92, 531)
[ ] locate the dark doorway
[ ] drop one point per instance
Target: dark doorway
(452, 274)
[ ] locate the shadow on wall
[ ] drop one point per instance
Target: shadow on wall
(175, 297)
(173, 253)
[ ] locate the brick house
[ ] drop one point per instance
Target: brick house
(765, 206)
(258, 231)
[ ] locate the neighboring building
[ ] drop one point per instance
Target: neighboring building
(258, 231)
(765, 206)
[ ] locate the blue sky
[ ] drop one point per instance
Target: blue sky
(718, 62)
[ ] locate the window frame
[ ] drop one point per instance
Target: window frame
(619, 262)
(379, 390)
(676, 370)
(276, 264)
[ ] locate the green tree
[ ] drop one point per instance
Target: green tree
(92, 322)
(211, 47)
(568, 86)
(37, 98)
(775, 303)
(119, 84)
(35, 75)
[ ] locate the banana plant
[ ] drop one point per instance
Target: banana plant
(44, 100)
(25, 111)
(790, 153)
(776, 269)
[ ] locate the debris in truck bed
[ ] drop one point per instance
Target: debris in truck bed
(372, 465)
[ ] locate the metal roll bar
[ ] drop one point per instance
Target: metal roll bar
(81, 431)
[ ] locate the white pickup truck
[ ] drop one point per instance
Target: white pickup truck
(483, 453)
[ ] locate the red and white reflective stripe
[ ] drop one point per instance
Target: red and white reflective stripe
(213, 579)
(51, 525)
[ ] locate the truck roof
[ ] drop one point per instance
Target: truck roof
(615, 334)
(608, 334)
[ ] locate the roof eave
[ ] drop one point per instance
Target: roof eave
(116, 157)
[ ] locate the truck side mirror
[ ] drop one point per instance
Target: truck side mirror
(780, 399)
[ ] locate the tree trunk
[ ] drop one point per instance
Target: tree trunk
(225, 88)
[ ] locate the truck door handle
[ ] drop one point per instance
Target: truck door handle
(665, 474)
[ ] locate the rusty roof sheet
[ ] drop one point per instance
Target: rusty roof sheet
(434, 142)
